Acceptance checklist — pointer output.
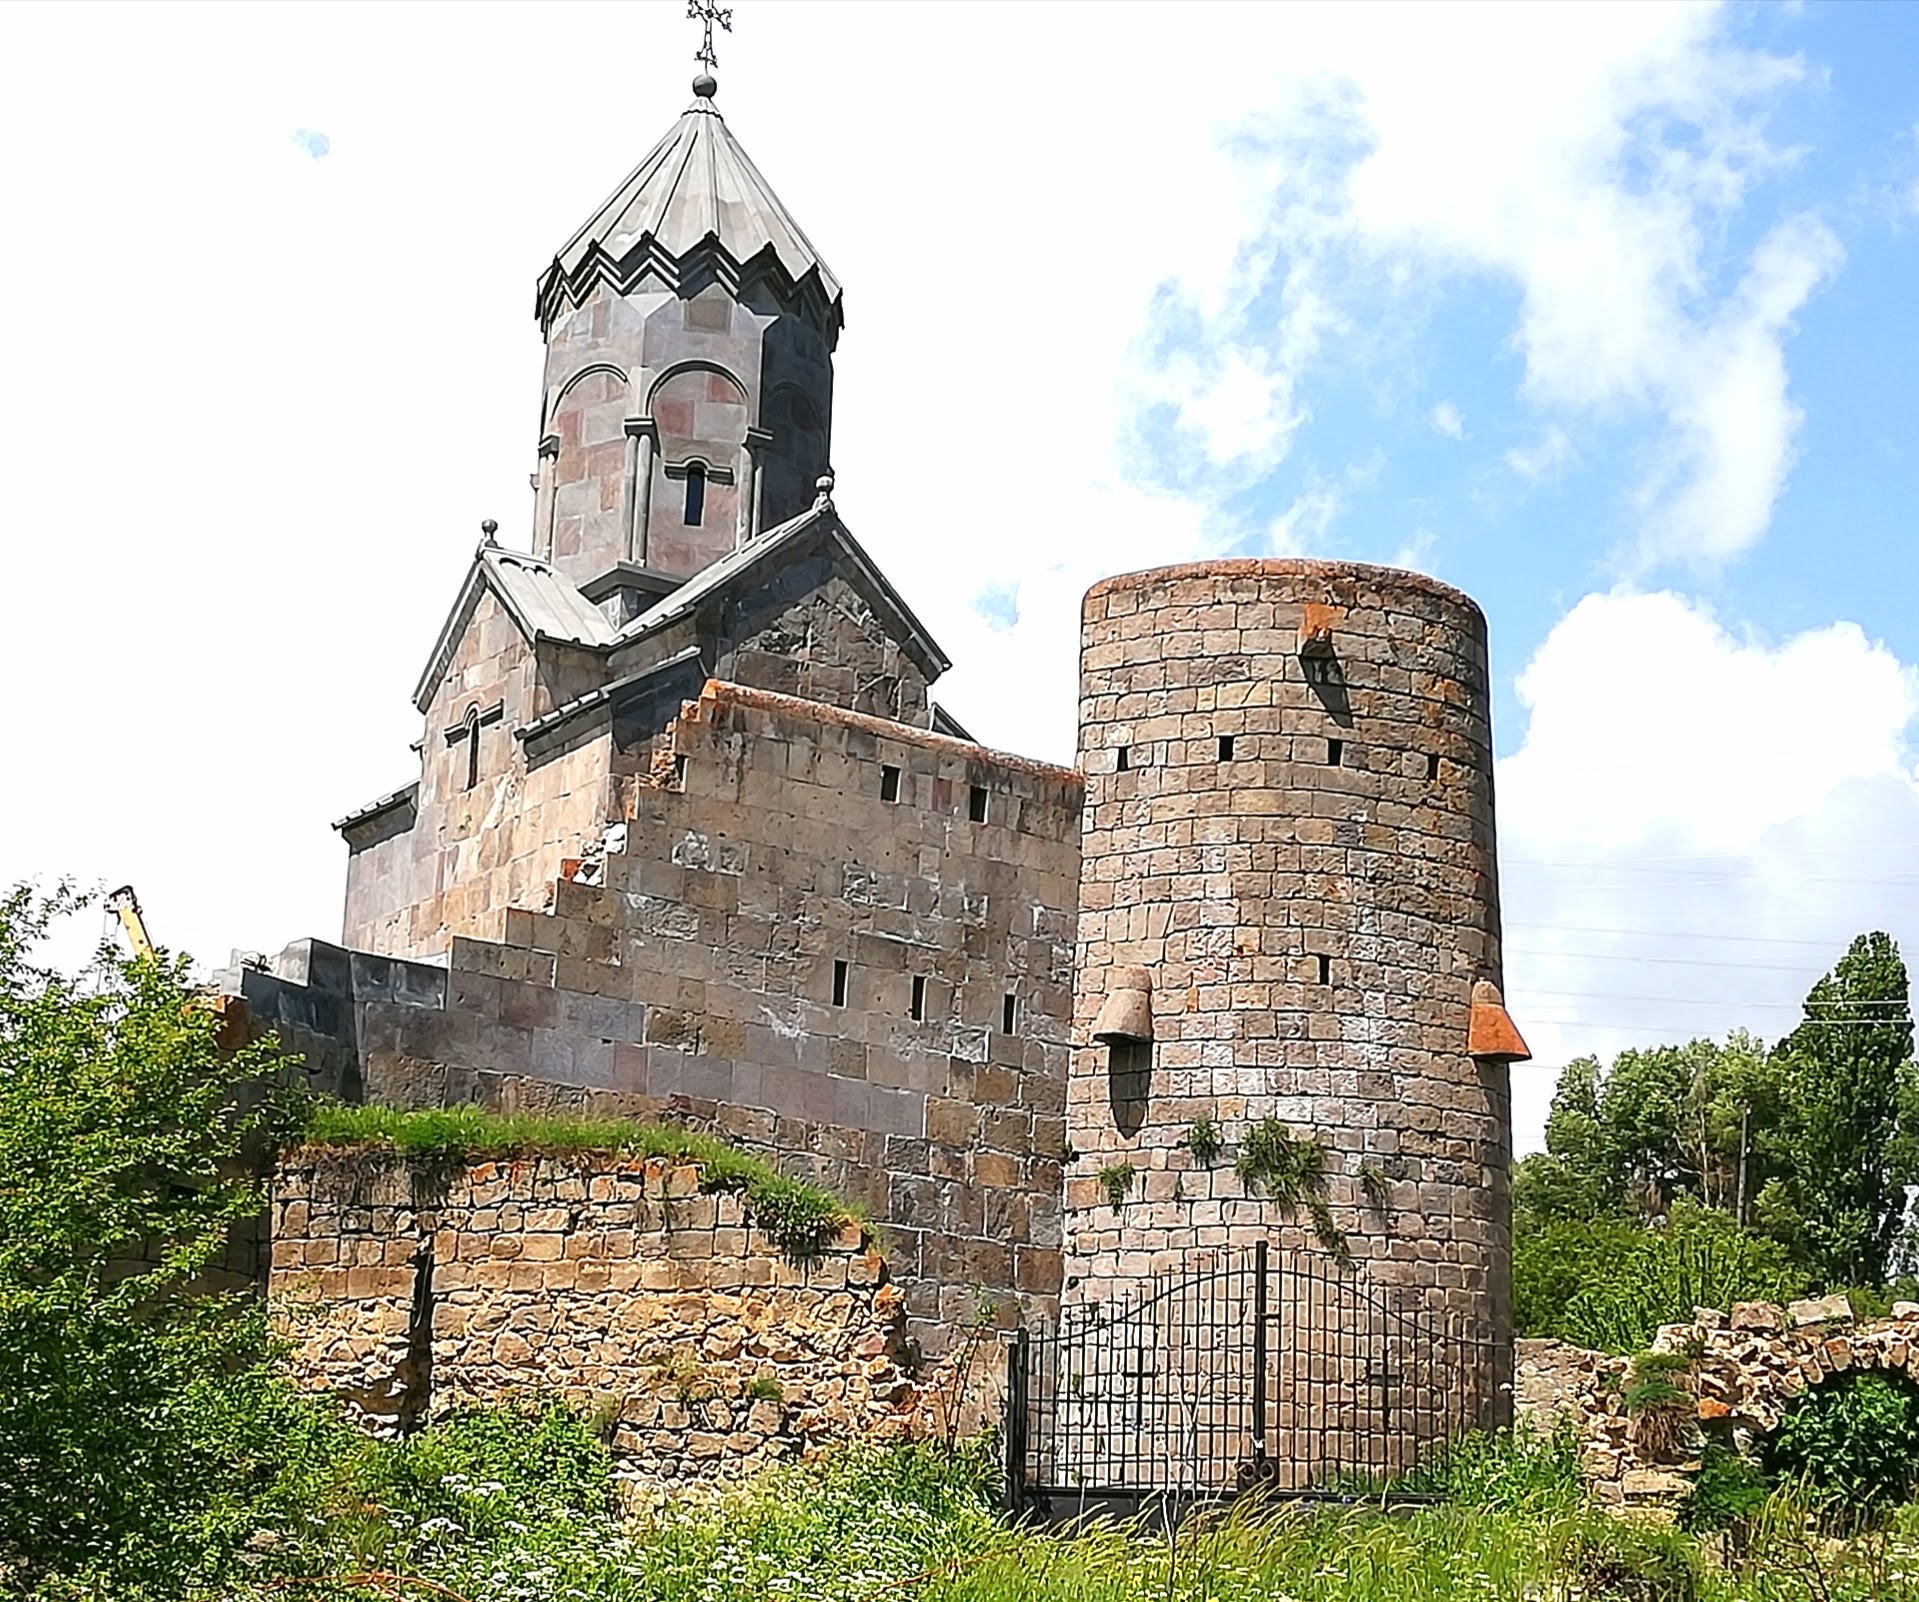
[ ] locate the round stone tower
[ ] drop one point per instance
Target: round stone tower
(1289, 941)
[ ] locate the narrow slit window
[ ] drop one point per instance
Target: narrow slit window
(679, 769)
(1335, 749)
(976, 804)
(1226, 748)
(919, 997)
(1325, 969)
(695, 495)
(841, 971)
(472, 750)
(889, 782)
(1124, 760)
(1432, 765)
(1008, 1014)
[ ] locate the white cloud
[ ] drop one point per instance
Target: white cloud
(1446, 420)
(1302, 528)
(1417, 551)
(1695, 824)
(1592, 157)
(1542, 459)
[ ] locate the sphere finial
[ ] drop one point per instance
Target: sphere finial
(489, 528)
(705, 85)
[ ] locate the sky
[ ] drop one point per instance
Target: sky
(1604, 314)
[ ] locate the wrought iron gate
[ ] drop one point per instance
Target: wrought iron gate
(1247, 1367)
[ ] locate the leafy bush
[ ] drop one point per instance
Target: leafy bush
(1608, 1284)
(1727, 1492)
(128, 1394)
(799, 1218)
(1852, 1443)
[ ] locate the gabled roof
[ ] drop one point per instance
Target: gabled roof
(695, 188)
(763, 550)
(542, 603)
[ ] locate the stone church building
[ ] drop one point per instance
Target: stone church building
(688, 836)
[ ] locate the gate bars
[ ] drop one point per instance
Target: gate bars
(1248, 1367)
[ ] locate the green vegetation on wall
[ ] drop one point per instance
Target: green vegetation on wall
(799, 1218)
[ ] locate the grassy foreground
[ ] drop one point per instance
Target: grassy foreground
(499, 1509)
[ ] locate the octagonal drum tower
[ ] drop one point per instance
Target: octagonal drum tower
(1289, 925)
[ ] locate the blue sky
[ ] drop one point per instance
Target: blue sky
(1603, 313)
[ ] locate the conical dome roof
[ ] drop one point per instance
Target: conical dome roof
(696, 189)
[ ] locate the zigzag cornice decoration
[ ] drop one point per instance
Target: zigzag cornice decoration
(560, 290)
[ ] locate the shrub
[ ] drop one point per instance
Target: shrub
(1727, 1492)
(1609, 1285)
(1852, 1443)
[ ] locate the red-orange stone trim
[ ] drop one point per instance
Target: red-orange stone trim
(1491, 1034)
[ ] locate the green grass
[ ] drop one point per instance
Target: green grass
(489, 1511)
(800, 1218)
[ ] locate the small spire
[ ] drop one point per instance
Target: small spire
(823, 502)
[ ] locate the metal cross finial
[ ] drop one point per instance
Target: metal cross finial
(707, 13)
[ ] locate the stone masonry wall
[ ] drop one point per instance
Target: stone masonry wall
(412, 1291)
(690, 970)
(1297, 845)
(473, 851)
(1746, 1369)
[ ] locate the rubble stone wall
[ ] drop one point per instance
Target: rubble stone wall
(1746, 1369)
(412, 1290)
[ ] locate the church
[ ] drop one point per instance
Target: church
(687, 836)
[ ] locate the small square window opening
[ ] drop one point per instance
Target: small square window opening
(976, 804)
(1124, 759)
(1226, 748)
(889, 782)
(1432, 765)
(1335, 749)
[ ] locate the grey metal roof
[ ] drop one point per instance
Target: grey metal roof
(695, 184)
(537, 598)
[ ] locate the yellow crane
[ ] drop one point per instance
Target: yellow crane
(234, 1028)
(125, 905)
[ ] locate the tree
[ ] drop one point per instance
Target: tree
(130, 1398)
(1840, 1143)
(1659, 1126)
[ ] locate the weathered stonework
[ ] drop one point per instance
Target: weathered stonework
(1746, 1369)
(411, 1291)
(1288, 847)
(688, 966)
(1313, 910)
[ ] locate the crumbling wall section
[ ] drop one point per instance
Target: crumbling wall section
(411, 1289)
(1744, 1370)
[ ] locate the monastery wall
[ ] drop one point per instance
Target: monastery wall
(812, 933)
(411, 1289)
